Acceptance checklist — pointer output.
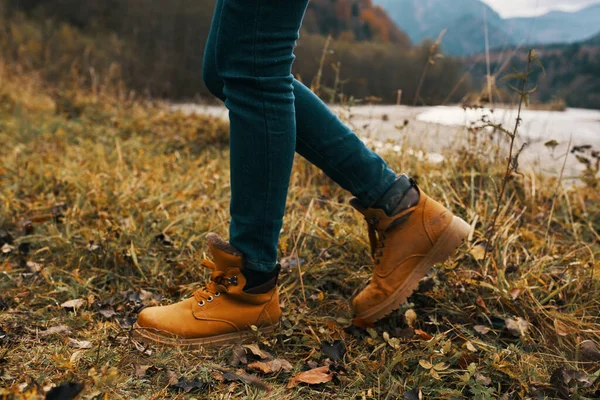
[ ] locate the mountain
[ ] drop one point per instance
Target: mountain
(464, 20)
(353, 19)
(595, 40)
(559, 26)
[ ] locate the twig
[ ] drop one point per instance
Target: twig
(558, 185)
(509, 163)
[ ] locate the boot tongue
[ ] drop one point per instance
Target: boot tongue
(224, 255)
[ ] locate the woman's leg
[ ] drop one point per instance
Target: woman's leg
(254, 45)
(321, 137)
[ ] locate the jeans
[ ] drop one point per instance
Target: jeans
(248, 65)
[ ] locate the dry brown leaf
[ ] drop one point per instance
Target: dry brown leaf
(312, 377)
(481, 303)
(76, 356)
(411, 317)
(60, 329)
(481, 329)
(515, 293)
(80, 344)
(140, 370)
(423, 335)
(241, 376)
(560, 328)
(254, 349)
(516, 326)
(590, 351)
(73, 304)
(272, 366)
(478, 252)
(484, 380)
(238, 355)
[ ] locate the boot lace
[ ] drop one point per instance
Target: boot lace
(376, 240)
(216, 286)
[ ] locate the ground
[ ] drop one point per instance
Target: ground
(105, 204)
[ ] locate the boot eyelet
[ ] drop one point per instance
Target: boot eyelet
(233, 280)
(201, 304)
(217, 294)
(210, 299)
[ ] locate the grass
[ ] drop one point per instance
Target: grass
(107, 200)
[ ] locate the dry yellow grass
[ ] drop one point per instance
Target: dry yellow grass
(106, 201)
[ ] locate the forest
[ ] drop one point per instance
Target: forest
(155, 47)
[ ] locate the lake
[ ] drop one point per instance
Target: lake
(431, 131)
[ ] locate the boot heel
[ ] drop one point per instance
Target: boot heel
(450, 240)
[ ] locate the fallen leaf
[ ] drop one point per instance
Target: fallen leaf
(243, 377)
(171, 377)
(289, 263)
(107, 312)
(478, 251)
(73, 304)
(470, 347)
(238, 356)
(434, 374)
(334, 351)
(60, 329)
(560, 328)
(66, 391)
(516, 326)
(272, 366)
(481, 303)
(140, 370)
(484, 380)
(254, 349)
(441, 366)
(423, 335)
(589, 350)
(411, 317)
(33, 266)
(314, 376)
(183, 385)
(481, 329)
(425, 364)
(562, 379)
(515, 293)
(76, 356)
(80, 344)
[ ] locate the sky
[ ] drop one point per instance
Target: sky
(518, 8)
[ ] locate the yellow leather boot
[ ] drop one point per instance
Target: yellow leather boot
(404, 247)
(221, 312)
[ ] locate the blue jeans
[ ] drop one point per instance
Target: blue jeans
(248, 65)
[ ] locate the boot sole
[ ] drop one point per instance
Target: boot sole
(152, 335)
(447, 244)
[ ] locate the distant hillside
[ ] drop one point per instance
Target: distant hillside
(156, 47)
(355, 20)
(571, 72)
(594, 40)
(464, 20)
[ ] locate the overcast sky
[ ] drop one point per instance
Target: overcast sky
(515, 8)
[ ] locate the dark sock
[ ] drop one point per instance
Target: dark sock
(258, 282)
(402, 195)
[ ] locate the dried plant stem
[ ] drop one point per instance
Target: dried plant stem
(509, 162)
(558, 185)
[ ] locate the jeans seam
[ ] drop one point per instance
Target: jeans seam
(266, 122)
